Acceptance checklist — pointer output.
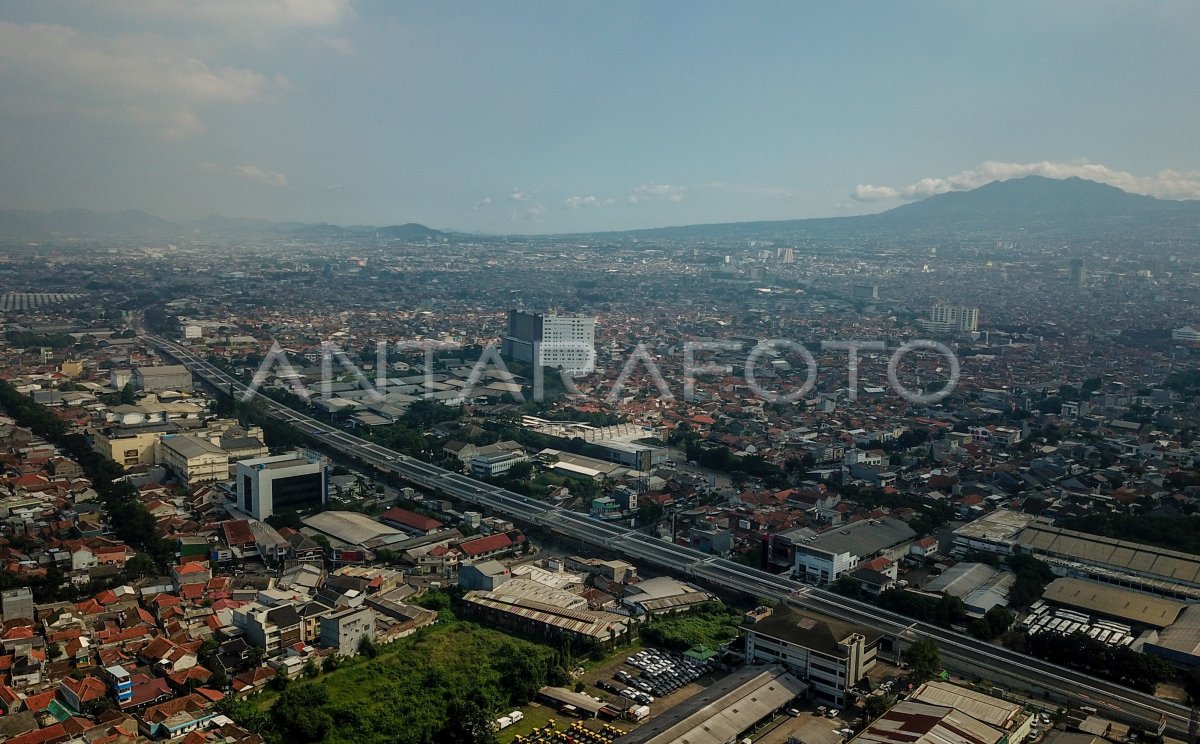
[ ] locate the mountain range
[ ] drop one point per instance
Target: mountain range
(1033, 205)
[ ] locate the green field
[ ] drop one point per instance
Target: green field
(425, 688)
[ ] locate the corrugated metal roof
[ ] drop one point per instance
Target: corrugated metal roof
(990, 710)
(721, 712)
(1133, 557)
(1113, 601)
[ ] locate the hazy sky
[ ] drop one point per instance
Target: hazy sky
(562, 116)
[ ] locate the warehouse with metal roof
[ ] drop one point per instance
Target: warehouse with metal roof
(1003, 714)
(723, 711)
(1180, 643)
(1135, 608)
(1146, 567)
(541, 611)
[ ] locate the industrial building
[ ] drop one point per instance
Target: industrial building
(291, 482)
(662, 595)
(1006, 715)
(1138, 609)
(536, 610)
(837, 551)
(1178, 644)
(978, 585)
(994, 532)
(1147, 568)
(912, 722)
(353, 530)
(724, 711)
(175, 377)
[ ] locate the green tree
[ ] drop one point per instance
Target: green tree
(466, 723)
(1191, 685)
(93, 708)
(649, 513)
(366, 647)
(876, 705)
(923, 659)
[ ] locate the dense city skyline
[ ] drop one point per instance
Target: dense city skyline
(578, 118)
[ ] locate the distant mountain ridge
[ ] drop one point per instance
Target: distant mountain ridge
(1033, 205)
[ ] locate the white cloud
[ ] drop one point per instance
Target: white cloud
(339, 44)
(868, 192)
(1166, 184)
(532, 213)
(263, 176)
(579, 202)
(518, 195)
(252, 173)
(237, 14)
(482, 203)
(143, 79)
(657, 192)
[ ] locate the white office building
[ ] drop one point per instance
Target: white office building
(290, 482)
(555, 341)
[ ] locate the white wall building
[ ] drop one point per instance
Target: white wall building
(552, 341)
(830, 655)
(950, 318)
(288, 482)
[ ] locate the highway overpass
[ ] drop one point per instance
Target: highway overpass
(960, 652)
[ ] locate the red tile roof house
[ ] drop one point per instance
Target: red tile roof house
(175, 717)
(491, 546)
(77, 693)
(168, 656)
(410, 521)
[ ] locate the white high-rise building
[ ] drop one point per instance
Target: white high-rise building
(950, 318)
(555, 341)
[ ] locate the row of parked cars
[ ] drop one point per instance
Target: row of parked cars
(662, 672)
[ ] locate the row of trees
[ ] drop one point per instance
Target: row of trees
(1119, 664)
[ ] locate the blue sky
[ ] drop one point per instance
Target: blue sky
(571, 116)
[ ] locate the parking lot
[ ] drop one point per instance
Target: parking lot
(653, 674)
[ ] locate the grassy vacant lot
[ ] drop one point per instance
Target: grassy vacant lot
(710, 624)
(451, 674)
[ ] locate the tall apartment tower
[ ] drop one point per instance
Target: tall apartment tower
(1077, 271)
(555, 341)
(950, 318)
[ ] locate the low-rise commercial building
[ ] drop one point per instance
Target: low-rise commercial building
(823, 558)
(830, 655)
(193, 460)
